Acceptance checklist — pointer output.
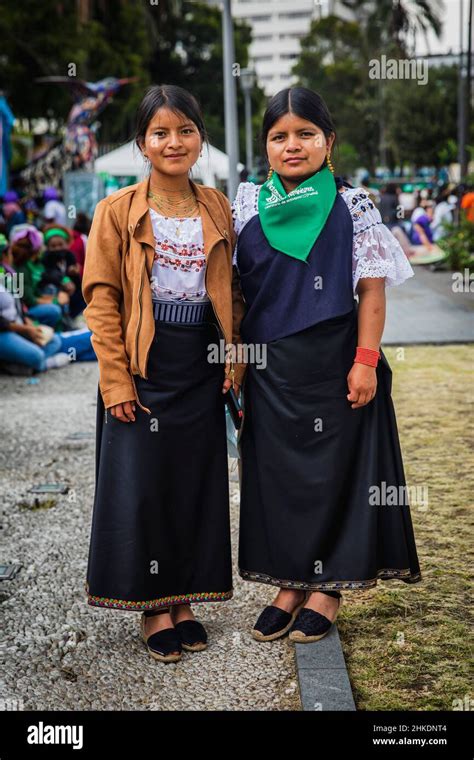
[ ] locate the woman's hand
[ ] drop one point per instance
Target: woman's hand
(228, 384)
(29, 331)
(124, 412)
(362, 383)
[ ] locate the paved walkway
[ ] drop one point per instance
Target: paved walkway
(60, 654)
(425, 309)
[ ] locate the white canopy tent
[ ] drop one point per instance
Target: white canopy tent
(211, 169)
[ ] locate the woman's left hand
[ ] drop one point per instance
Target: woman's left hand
(362, 383)
(228, 384)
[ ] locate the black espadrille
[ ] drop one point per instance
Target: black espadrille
(273, 622)
(311, 625)
(164, 645)
(192, 634)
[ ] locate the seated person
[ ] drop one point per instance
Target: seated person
(61, 265)
(12, 211)
(25, 246)
(44, 313)
(421, 232)
(24, 343)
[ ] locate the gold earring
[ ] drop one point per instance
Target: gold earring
(270, 173)
(329, 162)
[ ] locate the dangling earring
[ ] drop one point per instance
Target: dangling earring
(329, 162)
(270, 173)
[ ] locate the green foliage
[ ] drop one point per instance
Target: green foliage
(43, 39)
(413, 123)
(459, 245)
(172, 42)
(333, 62)
(421, 118)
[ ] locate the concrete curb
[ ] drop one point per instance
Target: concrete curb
(322, 675)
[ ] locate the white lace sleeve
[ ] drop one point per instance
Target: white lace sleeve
(375, 252)
(244, 207)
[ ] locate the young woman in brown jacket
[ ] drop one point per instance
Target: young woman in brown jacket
(161, 292)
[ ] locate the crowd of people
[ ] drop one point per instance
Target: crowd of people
(42, 263)
(429, 221)
(41, 267)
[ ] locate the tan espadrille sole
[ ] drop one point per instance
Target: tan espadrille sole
(300, 638)
(156, 655)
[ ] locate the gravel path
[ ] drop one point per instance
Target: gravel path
(57, 652)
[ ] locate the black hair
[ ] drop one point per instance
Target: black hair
(83, 223)
(177, 99)
(301, 101)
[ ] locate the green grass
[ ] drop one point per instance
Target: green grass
(408, 647)
(37, 504)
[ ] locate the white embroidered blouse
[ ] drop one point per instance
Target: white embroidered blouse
(375, 251)
(179, 263)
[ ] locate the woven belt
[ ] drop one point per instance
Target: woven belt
(187, 311)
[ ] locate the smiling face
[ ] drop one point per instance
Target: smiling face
(296, 148)
(172, 143)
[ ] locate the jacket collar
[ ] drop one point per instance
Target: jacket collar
(140, 226)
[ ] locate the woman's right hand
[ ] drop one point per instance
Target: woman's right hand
(124, 412)
(30, 332)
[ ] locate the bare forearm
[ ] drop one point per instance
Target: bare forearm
(371, 312)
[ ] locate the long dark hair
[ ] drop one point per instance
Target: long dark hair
(177, 99)
(301, 101)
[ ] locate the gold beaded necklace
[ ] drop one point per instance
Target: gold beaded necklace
(181, 208)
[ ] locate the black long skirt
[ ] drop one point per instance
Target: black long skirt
(160, 530)
(310, 517)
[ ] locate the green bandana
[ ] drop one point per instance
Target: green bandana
(292, 222)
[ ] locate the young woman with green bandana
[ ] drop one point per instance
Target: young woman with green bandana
(319, 445)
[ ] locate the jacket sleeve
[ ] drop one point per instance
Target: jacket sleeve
(102, 291)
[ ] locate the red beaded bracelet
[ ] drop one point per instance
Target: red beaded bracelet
(367, 356)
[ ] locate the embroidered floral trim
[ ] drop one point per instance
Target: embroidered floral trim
(386, 574)
(165, 601)
(181, 250)
(194, 264)
(376, 252)
(179, 263)
(168, 294)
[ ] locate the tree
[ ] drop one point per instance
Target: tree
(396, 22)
(53, 38)
(333, 62)
(383, 120)
(188, 52)
(421, 119)
(170, 41)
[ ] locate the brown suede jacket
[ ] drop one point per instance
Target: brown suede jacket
(116, 285)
